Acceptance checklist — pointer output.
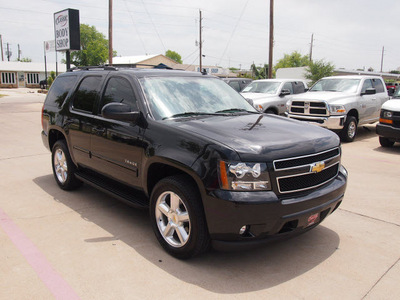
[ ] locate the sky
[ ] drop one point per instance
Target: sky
(349, 34)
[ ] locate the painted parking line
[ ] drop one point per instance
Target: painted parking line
(54, 282)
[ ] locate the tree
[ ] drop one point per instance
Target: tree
(94, 48)
(295, 59)
(51, 78)
(259, 72)
(174, 55)
(318, 69)
(25, 59)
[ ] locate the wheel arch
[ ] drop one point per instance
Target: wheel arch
(354, 113)
(158, 170)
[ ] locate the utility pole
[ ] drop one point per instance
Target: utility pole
(383, 51)
(19, 53)
(312, 42)
(110, 36)
(1, 43)
(200, 44)
(271, 36)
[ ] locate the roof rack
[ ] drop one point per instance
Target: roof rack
(88, 68)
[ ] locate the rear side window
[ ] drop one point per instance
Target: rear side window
(86, 95)
(59, 90)
(119, 90)
(299, 87)
(378, 85)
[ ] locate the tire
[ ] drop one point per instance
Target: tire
(63, 167)
(385, 142)
(349, 131)
(177, 217)
(270, 111)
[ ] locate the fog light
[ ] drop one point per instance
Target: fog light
(243, 230)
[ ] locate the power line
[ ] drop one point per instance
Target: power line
(233, 31)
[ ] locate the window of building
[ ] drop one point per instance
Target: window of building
(8, 78)
(32, 78)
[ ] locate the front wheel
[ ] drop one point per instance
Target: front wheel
(385, 142)
(177, 217)
(349, 131)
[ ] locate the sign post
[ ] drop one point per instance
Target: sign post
(67, 32)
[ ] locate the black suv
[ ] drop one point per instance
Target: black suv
(187, 146)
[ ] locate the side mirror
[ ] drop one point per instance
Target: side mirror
(120, 112)
(369, 91)
(284, 92)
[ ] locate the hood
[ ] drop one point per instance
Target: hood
(393, 105)
(261, 137)
(258, 96)
(330, 97)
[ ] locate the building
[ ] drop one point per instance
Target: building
(25, 74)
(143, 61)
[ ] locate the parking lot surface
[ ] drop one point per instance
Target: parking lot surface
(86, 245)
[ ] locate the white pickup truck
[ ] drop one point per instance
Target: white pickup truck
(340, 103)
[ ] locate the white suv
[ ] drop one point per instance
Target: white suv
(271, 95)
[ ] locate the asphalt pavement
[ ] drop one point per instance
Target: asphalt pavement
(86, 245)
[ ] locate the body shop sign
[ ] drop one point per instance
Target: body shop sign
(66, 30)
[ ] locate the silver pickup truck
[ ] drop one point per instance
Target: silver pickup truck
(340, 103)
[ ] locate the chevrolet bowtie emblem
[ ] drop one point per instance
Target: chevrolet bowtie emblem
(317, 167)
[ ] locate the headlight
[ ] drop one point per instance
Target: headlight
(241, 176)
(337, 109)
(387, 114)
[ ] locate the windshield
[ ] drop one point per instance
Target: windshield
(184, 96)
(336, 85)
(396, 94)
(265, 87)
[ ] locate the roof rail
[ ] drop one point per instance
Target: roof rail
(88, 68)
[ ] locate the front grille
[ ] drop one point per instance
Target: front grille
(305, 181)
(296, 173)
(305, 160)
(309, 108)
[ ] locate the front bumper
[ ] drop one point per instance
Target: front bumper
(388, 132)
(267, 216)
(331, 122)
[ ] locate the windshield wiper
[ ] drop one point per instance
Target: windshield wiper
(233, 110)
(188, 114)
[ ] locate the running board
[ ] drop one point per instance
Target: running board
(115, 189)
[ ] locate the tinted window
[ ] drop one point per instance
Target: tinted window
(299, 87)
(119, 90)
(235, 85)
(85, 97)
(288, 86)
(378, 85)
(366, 85)
(59, 90)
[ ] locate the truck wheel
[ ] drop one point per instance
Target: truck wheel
(270, 111)
(177, 217)
(349, 131)
(63, 167)
(385, 142)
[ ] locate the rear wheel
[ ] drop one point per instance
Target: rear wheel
(177, 217)
(349, 131)
(63, 167)
(385, 142)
